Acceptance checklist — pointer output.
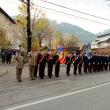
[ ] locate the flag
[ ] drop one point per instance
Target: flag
(61, 55)
(60, 49)
(88, 51)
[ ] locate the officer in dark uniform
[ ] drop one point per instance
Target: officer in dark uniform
(50, 63)
(102, 61)
(98, 62)
(90, 69)
(109, 60)
(42, 63)
(68, 63)
(80, 63)
(95, 61)
(93, 57)
(106, 62)
(75, 63)
(57, 64)
(86, 64)
(37, 58)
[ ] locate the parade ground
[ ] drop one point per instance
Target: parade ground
(82, 92)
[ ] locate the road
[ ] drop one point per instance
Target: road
(81, 92)
(93, 98)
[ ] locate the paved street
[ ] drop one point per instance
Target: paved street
(14, 94)
(93, 99)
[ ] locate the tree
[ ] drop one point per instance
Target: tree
(21, 18)
(21, 22)
(71, 41)
(58, 39)
(42, 30)
(39, 27)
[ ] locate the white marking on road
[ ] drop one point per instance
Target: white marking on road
(57, 97)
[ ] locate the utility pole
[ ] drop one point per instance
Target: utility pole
(29, 33)
(29, 37)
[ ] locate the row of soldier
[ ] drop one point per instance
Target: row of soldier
(37, 61)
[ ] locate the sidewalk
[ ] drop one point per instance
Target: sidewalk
(3, 71)
(5, 68)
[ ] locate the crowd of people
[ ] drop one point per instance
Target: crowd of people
(7, 55)
(80, 63)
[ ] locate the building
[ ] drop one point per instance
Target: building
(102, 41)
(13, 32)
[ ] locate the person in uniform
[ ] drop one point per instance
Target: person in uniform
(109, 60)
(90, 68)
(31, 64)
(80, 63)
(86, 64)
(75, 63)
(36, 63)
(19, 66)
(94, 62)
(50, 63)
(57, 64)
(98, 62)
(42, 64)
(106, 62)
(102, 62)
(68, 63)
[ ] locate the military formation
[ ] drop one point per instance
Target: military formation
(39, 60)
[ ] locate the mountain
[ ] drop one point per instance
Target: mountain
(66, 28)
(83, 35)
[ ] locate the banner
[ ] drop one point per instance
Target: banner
(61, 54)
(88, 51)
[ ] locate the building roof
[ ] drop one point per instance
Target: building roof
(103, 35)
(101, 39)
(2, 11)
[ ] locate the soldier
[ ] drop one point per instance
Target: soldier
(50, 63)
(106, 62)
(57, 64)
(31, 64)
(80, 63)
(86, 64)
(95, 62)
(75, 63)
(109, 60)
(68, 63)
(91, 65)
(37, 53)
(42, 63)
(19, 66)
(98, 62)
(101, 62)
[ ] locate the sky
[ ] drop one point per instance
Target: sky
(99, 8)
